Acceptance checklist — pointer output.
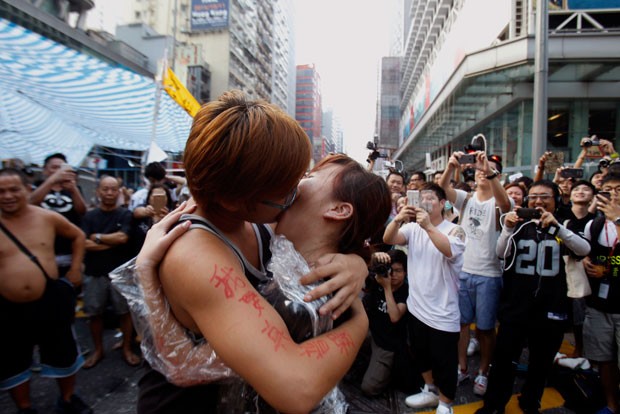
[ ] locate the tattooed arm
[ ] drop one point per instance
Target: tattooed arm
(210, 294)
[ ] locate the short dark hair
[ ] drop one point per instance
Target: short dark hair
(610, 177)
(14, 171)
(550, 185)
(420, 173)
(55, 155)
(527, 181)
(392, 171)
(441, 194)
(155, 170)
(398, 256)
(583, 182)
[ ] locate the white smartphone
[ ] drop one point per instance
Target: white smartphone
(413, 198)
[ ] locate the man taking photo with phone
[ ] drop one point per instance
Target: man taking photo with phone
(534, 306)
(480, 279)
(435, 257)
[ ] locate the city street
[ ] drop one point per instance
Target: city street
(111, 387)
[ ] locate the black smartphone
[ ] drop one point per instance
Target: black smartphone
(467, 159)
(528, 213)
(605, 194)
(572, 173)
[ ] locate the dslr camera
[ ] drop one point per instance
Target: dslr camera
(592, 142)
(375, 152)
(380, 269)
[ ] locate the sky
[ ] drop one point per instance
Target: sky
(345, 39)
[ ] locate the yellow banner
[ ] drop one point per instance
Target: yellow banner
(179, 93)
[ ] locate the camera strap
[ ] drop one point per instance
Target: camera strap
(24, 249)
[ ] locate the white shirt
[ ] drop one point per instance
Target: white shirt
(480, 225)
(433, 278)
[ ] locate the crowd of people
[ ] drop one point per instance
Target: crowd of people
(408, 265)
(503, 268)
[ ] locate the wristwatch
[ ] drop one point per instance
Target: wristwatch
(98, 238)
(494, 174)
(617, 221)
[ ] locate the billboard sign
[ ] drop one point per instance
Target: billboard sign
(209, 15)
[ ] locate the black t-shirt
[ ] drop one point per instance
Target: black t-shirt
(62, 203)
(578, 225)
(106, 222)
(564, 212)
(606, 298)
(535, 280)
(387, 335)
(139, 228)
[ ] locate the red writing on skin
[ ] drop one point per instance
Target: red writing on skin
(275, 334)
(253, 299)
(342, 340)
(222, 277)
(317, 349)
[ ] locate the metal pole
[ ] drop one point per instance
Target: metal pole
(174, 34)
(541, 71)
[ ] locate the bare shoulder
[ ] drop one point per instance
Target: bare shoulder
(192, 260)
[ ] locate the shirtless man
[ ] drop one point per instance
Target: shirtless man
(36, 307)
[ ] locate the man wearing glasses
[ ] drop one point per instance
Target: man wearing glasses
(533, 308)
(601, 327)
(417, 181)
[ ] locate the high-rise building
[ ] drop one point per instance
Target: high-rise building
(308, 107)
(332, 131)
(389, 103)
(247, 44)
(466, 73)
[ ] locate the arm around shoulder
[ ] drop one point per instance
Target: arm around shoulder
(210, 293)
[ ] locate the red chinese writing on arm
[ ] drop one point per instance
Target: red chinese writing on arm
(342, 340)
(253, 299)
(222, 278)
(317, 349)
(276, 335)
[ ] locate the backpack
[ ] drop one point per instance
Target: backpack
(581, 389)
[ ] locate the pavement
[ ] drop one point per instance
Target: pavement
(111, 386)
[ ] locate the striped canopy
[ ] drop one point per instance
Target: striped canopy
(56, 99)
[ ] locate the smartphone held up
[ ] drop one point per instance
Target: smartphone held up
(413, 198)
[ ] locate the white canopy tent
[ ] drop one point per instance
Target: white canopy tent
(56, 99)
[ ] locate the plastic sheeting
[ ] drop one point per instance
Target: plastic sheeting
(56, 99)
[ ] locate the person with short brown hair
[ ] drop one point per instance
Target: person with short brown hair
(244, 160)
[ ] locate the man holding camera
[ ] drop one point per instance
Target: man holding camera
(480, 279)
(434, 258)
(601, 327)
(534, 306)
(386, 304)
(59, 192)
